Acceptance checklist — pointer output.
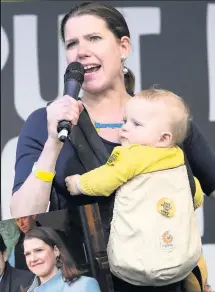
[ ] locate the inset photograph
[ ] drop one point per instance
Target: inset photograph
(43, 251)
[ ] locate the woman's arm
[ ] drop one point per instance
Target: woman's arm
(31, 195)
(39, 143)
(201, 157)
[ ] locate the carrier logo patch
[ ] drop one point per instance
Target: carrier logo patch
(114, 158)
(167, 240)
(166, 207)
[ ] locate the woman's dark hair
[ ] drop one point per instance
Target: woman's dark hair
(51, 238)
(2, 245)
(115, 22)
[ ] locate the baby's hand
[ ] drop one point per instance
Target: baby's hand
(72, 184)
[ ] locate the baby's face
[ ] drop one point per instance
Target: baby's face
(145, 123)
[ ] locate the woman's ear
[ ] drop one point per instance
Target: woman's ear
(125, 48)
(56, 251)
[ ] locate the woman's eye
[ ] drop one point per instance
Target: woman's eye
(95, 38)
(70, 45)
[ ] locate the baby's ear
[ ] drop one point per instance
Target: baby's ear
(165, 139)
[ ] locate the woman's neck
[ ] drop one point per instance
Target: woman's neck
(108, 106)
(49, 276)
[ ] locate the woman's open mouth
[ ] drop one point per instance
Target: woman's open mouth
(88, 69)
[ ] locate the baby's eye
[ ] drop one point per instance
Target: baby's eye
(136, 124)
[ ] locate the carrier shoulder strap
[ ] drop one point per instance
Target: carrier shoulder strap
(89, 146)
(92, 153)
(196, 271)
(190, 176)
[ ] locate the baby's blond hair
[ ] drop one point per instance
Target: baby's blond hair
(178, 111)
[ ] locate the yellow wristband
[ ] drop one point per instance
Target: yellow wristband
(43, 175)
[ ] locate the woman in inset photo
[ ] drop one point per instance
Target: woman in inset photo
(54, 269)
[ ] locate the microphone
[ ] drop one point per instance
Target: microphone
(73, 80)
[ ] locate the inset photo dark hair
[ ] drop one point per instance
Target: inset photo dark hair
(46, 250)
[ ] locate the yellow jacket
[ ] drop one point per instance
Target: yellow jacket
(127, 162)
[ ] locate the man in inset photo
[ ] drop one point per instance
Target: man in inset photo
(25, 224)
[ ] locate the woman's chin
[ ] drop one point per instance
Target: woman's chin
(92, 87)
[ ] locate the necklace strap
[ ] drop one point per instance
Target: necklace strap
(99, 126)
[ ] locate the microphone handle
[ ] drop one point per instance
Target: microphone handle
(72, 88)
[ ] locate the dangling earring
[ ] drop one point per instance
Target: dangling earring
(125, 69)
(58, 262)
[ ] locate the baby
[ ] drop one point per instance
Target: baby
(154, 193)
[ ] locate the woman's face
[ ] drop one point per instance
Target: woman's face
(40, 258)
(90, 42)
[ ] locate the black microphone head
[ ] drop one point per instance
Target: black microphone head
(74, 70)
